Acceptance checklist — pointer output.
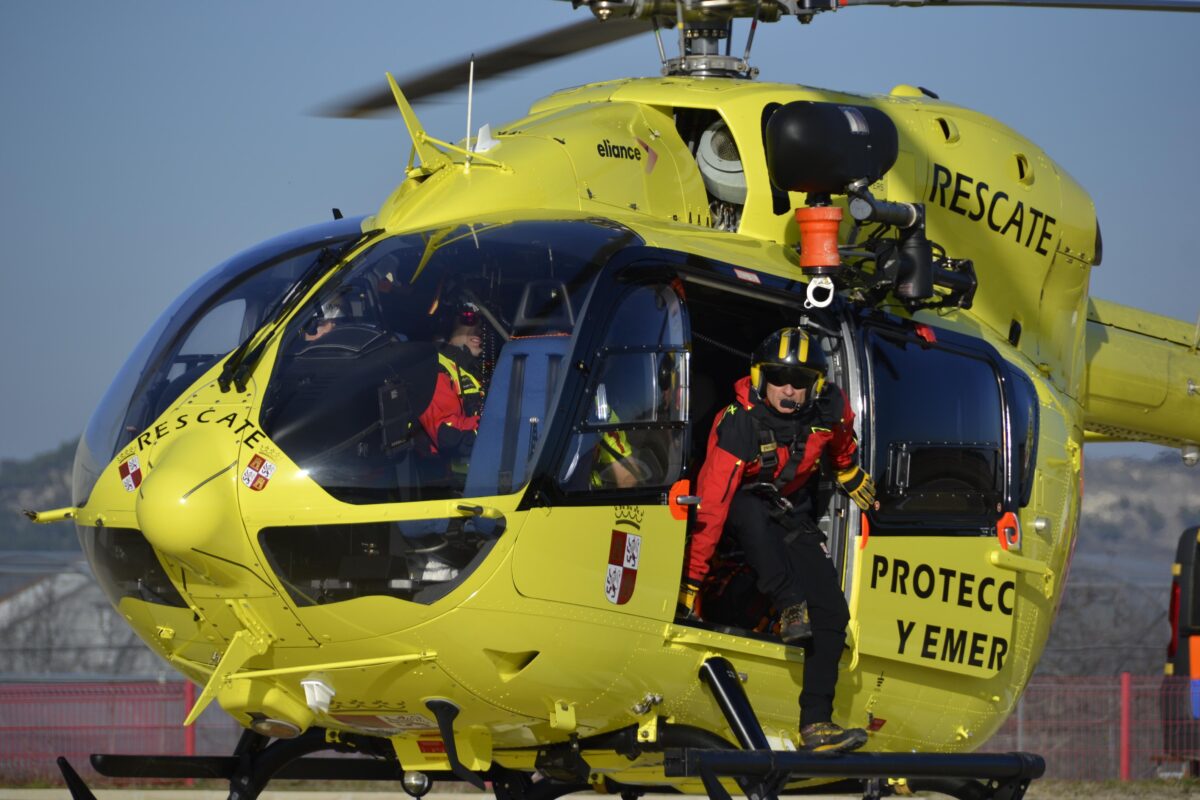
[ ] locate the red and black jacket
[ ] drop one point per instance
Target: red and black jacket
(734, 458)
(451, 431)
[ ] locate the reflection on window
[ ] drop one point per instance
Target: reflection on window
(362, 395)
(938, 433)
(646, 386)
(647, 317)
(633, 432)
(218, 331)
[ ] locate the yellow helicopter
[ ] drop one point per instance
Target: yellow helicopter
(253, 497)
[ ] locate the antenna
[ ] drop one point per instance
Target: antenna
(750, 36)
(470, 102)
(679, 24)
(662, 53)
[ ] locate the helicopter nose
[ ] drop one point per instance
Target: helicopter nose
(187, 506)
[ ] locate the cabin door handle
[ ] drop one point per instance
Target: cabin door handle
(1011, 561)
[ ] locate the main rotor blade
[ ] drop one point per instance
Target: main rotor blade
(1114, 5)
(564, 41)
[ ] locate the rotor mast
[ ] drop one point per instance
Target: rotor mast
(702, 25)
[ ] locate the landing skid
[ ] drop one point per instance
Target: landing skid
(961, 775)
(256, 761)
(761, 773)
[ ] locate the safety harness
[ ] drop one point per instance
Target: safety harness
(768, 457)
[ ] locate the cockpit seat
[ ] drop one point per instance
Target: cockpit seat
(516, 414)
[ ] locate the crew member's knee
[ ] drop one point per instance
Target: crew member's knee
(829, 616)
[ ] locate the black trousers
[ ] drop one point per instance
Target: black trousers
(792, 567)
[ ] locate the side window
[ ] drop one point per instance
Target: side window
(938, 426)
(633, 431)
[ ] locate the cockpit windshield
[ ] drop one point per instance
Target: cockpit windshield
(207, 321)
(427, 367)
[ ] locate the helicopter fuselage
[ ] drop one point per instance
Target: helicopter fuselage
(278, 533)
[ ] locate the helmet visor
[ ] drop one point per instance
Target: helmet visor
(796, 377)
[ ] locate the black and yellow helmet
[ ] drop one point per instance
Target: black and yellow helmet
(789, 356)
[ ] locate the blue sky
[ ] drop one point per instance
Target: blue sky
(144, 142)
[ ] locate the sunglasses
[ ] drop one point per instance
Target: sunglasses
(796, 377)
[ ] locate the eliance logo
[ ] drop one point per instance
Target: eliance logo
(607, 149)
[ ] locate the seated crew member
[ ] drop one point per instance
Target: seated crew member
(452, 419)
(450, 431)
(617, 461)
(762, 451)
(459, 358)
(613, 465)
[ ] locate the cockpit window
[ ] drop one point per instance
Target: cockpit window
(205, 323)
(427, 368)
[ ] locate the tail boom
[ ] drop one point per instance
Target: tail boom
(1143, 377)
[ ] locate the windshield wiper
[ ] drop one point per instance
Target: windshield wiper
(242, 360)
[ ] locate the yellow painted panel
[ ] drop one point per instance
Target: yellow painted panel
(583, 556)
(936, 602)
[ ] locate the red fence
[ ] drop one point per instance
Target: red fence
(1105, 728)
(41, 721)
(1087, 728)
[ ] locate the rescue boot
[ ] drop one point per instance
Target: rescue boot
(831, 737)
(794, 626)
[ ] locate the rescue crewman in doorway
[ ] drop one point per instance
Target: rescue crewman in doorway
(755, 483)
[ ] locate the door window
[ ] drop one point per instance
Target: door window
(938, 426)
(633, 431)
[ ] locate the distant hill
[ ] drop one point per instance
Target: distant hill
(1113, 616)
(40, 483)
(1139, 505)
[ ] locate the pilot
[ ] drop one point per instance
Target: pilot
(756, 483)
(331, 311)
